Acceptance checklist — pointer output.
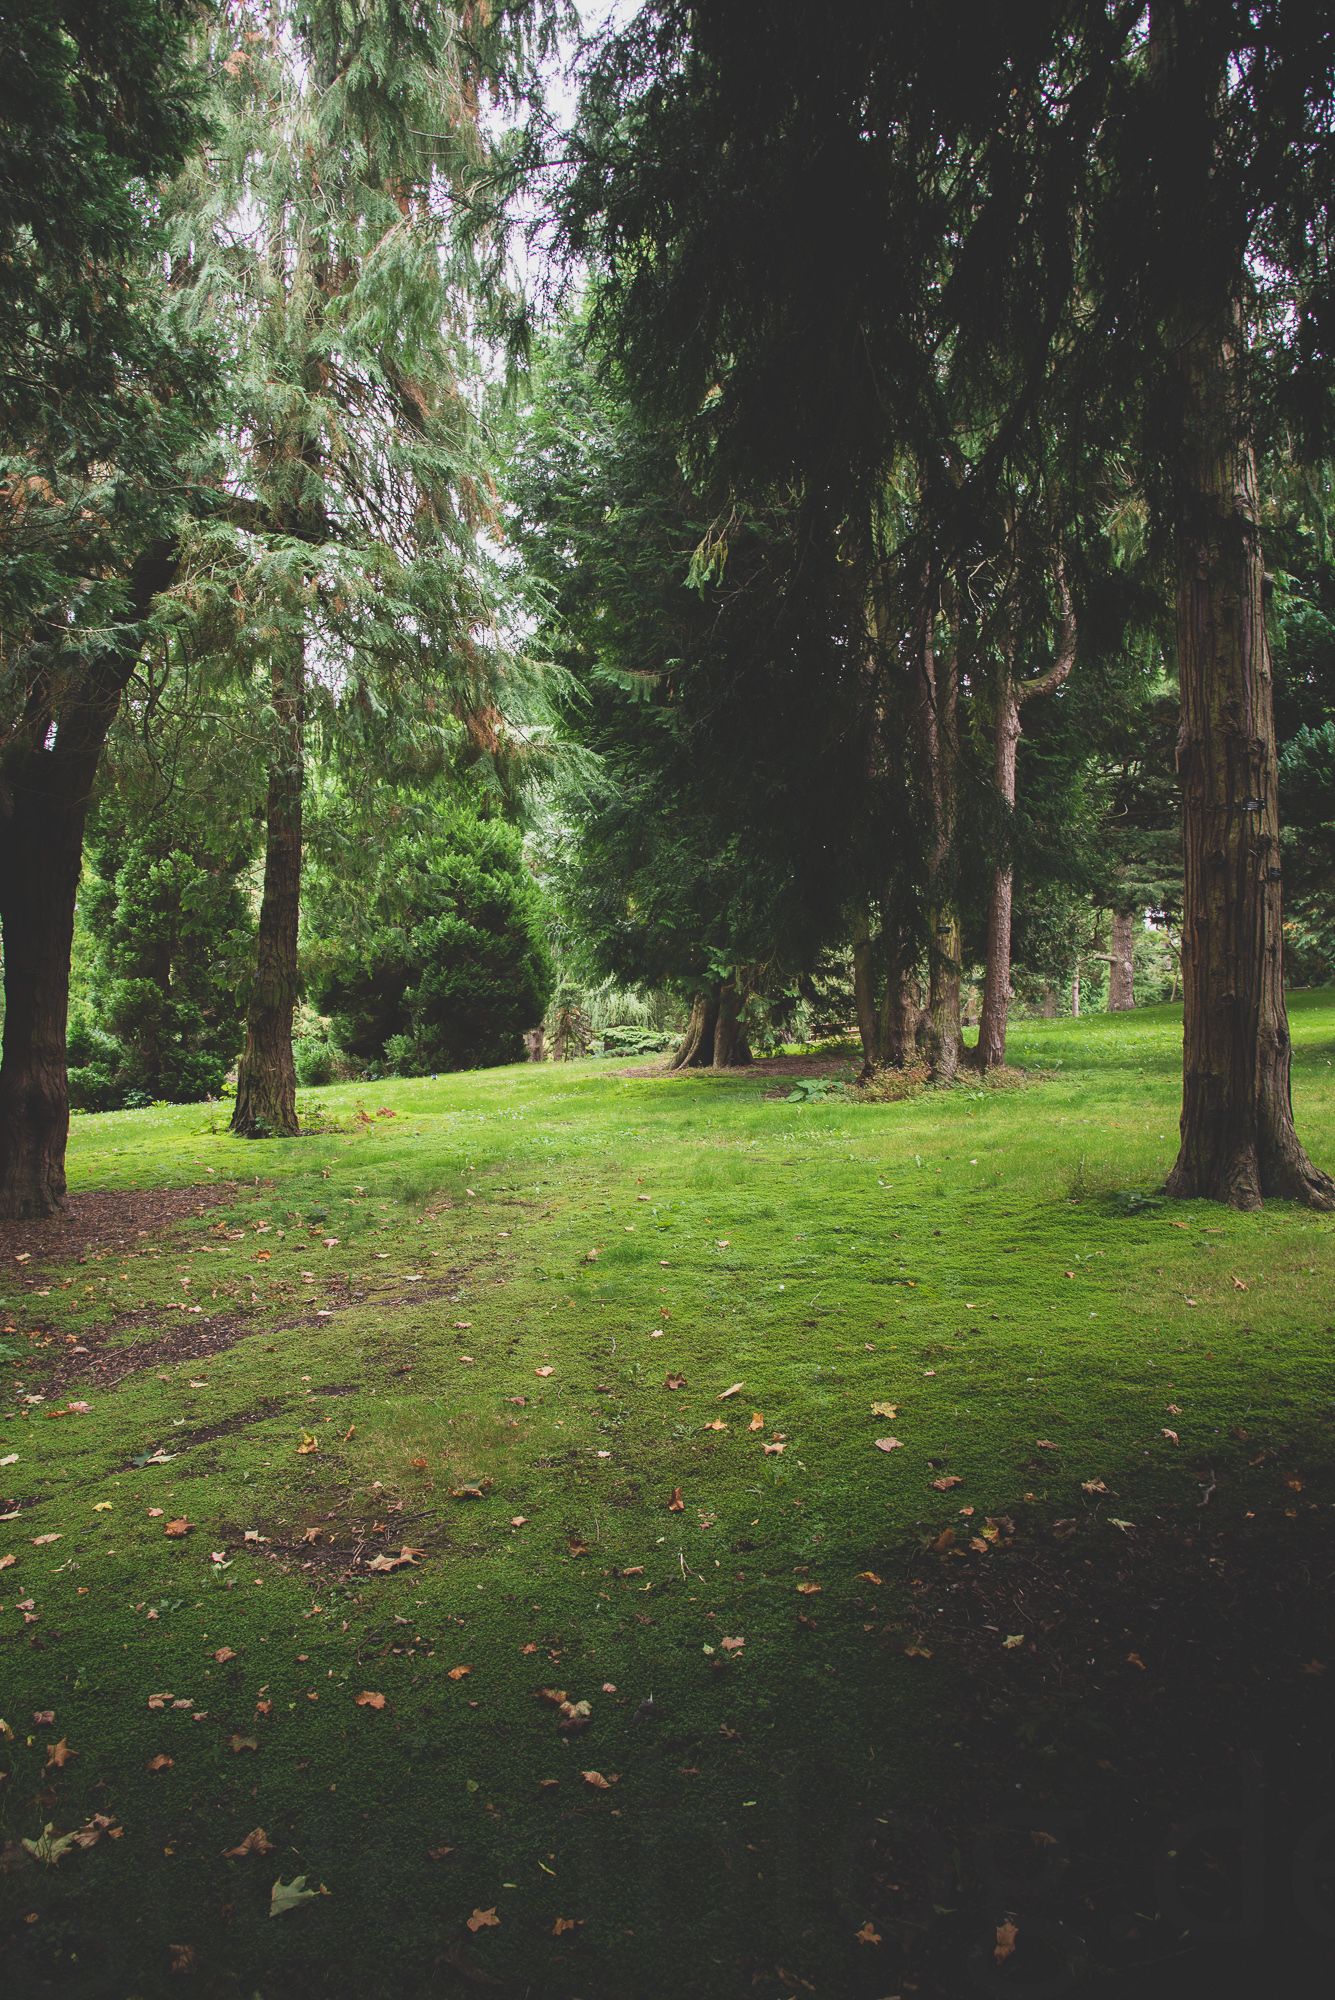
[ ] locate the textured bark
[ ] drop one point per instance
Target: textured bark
(1239, 1143)
(1121, 979)
(1075, 992)
(1011, 695)
(943, 1039)
(46, 780)
(901, 1012)
(731, 1049)
(696, 1049)
(266, 1084)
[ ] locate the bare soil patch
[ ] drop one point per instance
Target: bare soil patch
(763, 1066)
(98, 1220)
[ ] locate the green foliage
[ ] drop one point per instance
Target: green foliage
(170, 928)
(439, 961)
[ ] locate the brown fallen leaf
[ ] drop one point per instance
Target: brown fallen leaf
(1092, 1486)
(1046, 1444)
(808, 1589)
(368, 1699)
(1008, 1932)
(162, 1762)
(573, 1717)
(599, 1782)
(439, 1853)
(549, 1370)
(564, 1924)
(676, 1504)
(182, 1957)
(674, 1381)
(40, 1541)
(773, 1450)
(256, 1841)
(309, 1442)
(890, 1410)
(236, 1744)
(735, 1390)
(888, 1444)
(483, 1920)
(175, 1529)
(716, 1424)
(869, 1576)
(732, 1645)
(948, 1483)
(757, 1422)
(868, 1934)
(8, 1562)
(44, 1717)
(224, 1654)
(457, 1673)
(59, 1754)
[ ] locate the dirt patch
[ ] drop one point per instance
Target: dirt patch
(96, 1221)
(1145, 1726)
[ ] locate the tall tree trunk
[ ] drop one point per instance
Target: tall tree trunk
(266, 1085)
(1121, 971)
(1075, 992)
(997, 973)
(937, 706)
(46, 781)
(1239, 1143)
(864, 997)
(1011, 695)
(696, 1048)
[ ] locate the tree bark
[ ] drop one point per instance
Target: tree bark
(1075, 992)
(1010, 698)
(937, 706)
(864, 997)
(1121, 971)
(46, 781)
(1238, 1140)
(266, 1084)
(731, 1050)
(696, 1049)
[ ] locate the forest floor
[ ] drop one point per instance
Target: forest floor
(605, 1540)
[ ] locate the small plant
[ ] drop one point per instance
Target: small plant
(815, 1089)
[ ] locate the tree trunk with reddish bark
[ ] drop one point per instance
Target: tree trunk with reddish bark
(1011, 695)
(1121, 964)
(266, 1084)
(938, 698)
(46, 780)
(696, 1048)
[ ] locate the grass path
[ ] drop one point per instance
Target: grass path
(469, 1300)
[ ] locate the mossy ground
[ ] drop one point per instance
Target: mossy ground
(992, 1263)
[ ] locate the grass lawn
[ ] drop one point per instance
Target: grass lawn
(490, 1320)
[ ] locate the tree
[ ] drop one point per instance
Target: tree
(102, 402)
(323, 235)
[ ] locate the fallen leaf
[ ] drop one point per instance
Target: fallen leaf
(256, 1841)
(716, 1424)
(1172, 1437)
(1015, 1639)
(868, 1935)
(1092, 1486)
(224, 1654)
(869, 1576)
(732, 1645)
(369, 1700)
(286, 1896)
(309, 1442)
(162, 1762)
(772, 1450)
(44, 1717)
(890, 1410)
(8, 1562)
(236, 1744)
(808, 1589)
(735, 1390)
(549, 1370)
(564, 1924)
(757, 1422)
(949, 1483)
(888, 1444)
(674, 1381)
(59, 1754)
(599, 1782)
(178, 1528)
(50, 1846)
(1046, 1444)
(1006, 1936)
(40, 1541)
(676, 1503)
(484, 1920)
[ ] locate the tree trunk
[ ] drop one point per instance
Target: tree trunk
(1239, 1143)
(46, 780)
(997, 974)
(1121, 981)
(943, 1040)
(696, 1049)
(864, 997)
(1075, 992)
(938, 701)
(266, 1085)
(536, 1041)
(731, 1050)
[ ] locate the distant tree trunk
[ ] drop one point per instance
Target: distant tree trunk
(1121, 980)
(536, 1042)
(1010, 697)
(46, 779)
(937, 705)
(266, 1086)
(1075, 992)
(696, 1048)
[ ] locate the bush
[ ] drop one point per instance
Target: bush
(314, 1057)
(633, 1041)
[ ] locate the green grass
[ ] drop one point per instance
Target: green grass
(994, 1263)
